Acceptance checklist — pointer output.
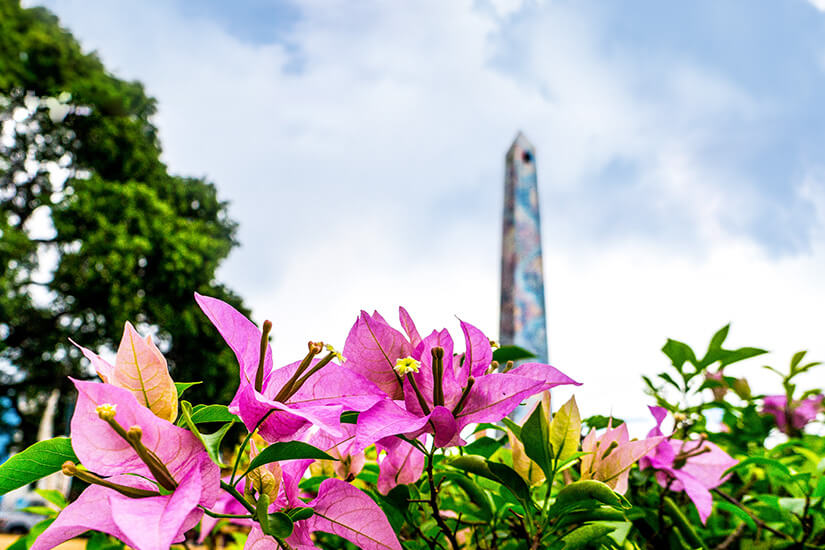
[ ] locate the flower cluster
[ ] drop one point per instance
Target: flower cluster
(402, 437)
(154, 480)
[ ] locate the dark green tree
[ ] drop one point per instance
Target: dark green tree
(94, 230)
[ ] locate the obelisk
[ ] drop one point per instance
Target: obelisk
(523, 320)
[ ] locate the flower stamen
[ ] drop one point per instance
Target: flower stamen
(289, 389)
(438, 375)
(70, 469)
(259, 374)
(406, 365)
(163, 476)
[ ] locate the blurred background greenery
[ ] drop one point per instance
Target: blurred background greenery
(94, 229)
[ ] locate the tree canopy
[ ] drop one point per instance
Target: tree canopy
(94, 229)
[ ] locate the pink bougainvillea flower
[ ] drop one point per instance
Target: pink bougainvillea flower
(349, 459)
(342, 510)
(794, 418)
(292, 398)
(612, 454)
(430, 390)
(694, 467)
(140, 368)
(339, 508)
(399, 463)
(148, 477)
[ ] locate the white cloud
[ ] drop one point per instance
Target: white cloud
(818, 4)
(372, 177)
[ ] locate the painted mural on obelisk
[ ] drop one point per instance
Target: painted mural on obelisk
(522, 279)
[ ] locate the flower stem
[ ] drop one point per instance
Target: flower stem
(239, 497)
(212, 514)
(234, 492)
(243, 446)
(434, 504)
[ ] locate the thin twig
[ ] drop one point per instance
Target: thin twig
(735, 535)
(243, 446)
(755, 519)
(212, 514)
(434, 504)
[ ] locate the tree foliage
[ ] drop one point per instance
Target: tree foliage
(94, 229)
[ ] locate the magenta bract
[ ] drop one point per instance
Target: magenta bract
(319, 401)
(339, 508)
(795, 417)
(467, 393)
(694, 467)
(149, 523)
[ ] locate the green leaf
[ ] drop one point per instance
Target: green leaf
(53, 496)
(495, 471)
(102, 541)
(40, 511)
(599, 422)
(279, 525)
(585, 494)
(719, 338)
(678, 353)
(349, 417)
(211, 442)
(369, 474)
(510, 479)
(25, 542)
(38, 461)
(399, 496)
(512, 426)
(483, 446)
(535, 435)
(772, 466)
(483, 426)
(797, 358)
(476, 494)
(565, 431)
(511, 353)
(682, 523)
(586, 535)
(742, 389)
(586, 515)
(262, 511)
(300, 513)
(213, 413)
(571, 460)
(807, 367)
(20, 544)
(740, 354)
(394, 513)
(725, 356)
(669, 379)
(650, 385)
(183, 386)
(736, 511)
(287, 450)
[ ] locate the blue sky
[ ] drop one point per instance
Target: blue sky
(680, 156)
